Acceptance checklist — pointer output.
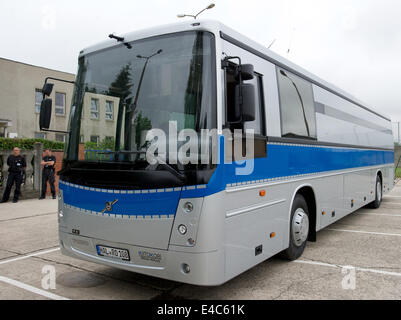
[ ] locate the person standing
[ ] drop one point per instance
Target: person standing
(16, 166)
(48, 163)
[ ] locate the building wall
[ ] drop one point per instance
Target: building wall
(18, 82)
(101, 126)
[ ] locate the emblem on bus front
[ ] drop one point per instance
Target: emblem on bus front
(109, 206)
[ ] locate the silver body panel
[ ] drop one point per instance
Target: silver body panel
(228, 225)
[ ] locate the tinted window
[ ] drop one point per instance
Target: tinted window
(258, 124)
(297, 106)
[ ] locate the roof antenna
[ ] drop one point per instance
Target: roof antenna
(271, 44)
(120, 39)
(113, 36)
(290, 43)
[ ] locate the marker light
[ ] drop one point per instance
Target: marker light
(188, 207)
(182, 229)
(186, 268)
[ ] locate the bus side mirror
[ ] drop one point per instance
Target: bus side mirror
(45, 114)
(246, 107)
(247, 72)
(47, 89)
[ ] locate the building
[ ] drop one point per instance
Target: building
(20, 99)
(98, 117)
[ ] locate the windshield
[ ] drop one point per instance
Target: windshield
(123, 92)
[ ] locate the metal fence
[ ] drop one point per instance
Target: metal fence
(32, 177)
(397, 161)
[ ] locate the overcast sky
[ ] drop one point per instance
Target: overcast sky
(354, 44)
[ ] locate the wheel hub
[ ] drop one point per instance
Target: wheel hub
(379, 191)
(300, 227)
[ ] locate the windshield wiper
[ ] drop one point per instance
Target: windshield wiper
(168, 167)
(160, 162)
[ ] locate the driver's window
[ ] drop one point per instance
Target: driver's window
(258, 124)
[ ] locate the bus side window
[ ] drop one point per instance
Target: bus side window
(297, 106)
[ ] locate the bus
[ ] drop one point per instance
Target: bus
(316, 154)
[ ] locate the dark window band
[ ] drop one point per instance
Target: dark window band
(340, 115)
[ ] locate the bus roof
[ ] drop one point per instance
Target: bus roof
(238, 39)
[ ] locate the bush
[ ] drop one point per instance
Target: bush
(105, 144)
(27, 144)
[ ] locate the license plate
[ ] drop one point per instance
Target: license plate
(121, 254)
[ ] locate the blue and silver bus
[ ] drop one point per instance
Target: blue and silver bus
(318, 154)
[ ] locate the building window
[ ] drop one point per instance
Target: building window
(40, 135)
(38, 100)
(95, 139)
(109, 110)
(60, 137)
(94, 108)
(60, 104)
(297, 106)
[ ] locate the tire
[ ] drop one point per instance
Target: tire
(379, 194)
(299, 229)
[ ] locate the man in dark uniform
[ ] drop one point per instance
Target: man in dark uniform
(16, 166)
(48, 163)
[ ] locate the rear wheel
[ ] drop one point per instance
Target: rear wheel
(379, 194)
(299, 229)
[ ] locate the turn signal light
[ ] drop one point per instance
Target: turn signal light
(262, 193)
(272, 235)
(324, 213)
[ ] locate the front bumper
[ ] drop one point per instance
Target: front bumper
(206, 269)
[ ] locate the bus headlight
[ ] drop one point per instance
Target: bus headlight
(182, 229)
(188, 207)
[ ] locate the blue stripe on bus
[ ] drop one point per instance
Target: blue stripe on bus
(284, 160)
(281, 161)
(143, 204)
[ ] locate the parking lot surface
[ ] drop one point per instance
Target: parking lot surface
(359, 257)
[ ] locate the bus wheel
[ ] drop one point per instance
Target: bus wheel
(379, 194)
(299, 229)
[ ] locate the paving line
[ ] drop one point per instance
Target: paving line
(29, 256)
(28, 217)
(324, 264)
(32, 289)
(367, 232)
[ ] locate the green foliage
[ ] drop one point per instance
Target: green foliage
(27, 144)
(398, 172)
(105, 144)
(141, 124)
